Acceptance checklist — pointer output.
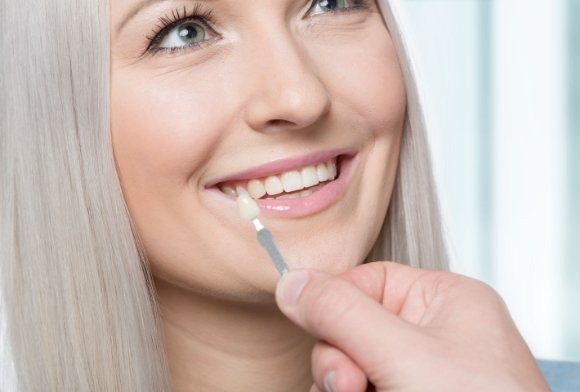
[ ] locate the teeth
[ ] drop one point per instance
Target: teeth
(309, 176)
(228, 190)
(256, 189)
(240, 190)
(289, 196)
(322, 172)
(290, 182)
(331, 166)
(273, 185)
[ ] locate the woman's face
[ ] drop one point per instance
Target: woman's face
(267, 95)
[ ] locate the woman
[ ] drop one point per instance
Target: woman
(206, 97)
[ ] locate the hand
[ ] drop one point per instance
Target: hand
(407, 329)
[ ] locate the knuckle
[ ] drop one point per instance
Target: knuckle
(328, 304)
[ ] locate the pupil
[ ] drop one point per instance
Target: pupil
(329, 4)
(188, 32)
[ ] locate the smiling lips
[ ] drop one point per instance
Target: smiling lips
(287, 185)
(293, 187)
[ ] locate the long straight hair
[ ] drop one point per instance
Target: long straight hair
(79, 305)
(413, 229)
(77, 297)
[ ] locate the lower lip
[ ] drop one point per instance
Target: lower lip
(318, 201)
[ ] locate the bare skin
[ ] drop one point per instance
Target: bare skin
(255, 82)
(202, 90)
(406, 329)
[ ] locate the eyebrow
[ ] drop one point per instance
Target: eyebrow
(140, 6)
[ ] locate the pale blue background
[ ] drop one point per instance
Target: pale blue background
(501, 82)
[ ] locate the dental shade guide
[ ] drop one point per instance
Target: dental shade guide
(249, 210)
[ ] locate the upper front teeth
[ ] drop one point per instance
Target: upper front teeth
(290, 181)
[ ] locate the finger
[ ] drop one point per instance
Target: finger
(390, 283)
(335, 310)
(315, 388)
(409, 292)
(334, 371)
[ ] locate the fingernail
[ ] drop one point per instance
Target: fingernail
(329, 382)
(291, 286)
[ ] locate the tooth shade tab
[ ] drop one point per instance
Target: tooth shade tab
(248, 207)
(287, 185)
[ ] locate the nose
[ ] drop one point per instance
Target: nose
(284, 88)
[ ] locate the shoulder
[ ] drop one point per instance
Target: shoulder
(562, 376)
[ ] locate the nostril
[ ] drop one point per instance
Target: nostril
(278, 123)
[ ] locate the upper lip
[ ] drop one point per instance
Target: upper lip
(280, 165)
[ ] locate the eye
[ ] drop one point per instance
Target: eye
(181, 30)
(189, 33)
(330, 6)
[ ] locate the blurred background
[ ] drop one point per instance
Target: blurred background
(501, 87)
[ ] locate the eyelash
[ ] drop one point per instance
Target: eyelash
(206, 18)
(174, 19)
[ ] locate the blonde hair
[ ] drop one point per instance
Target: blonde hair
(78, 298)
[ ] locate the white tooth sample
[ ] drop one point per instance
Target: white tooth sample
(273, 185)
(228, 190)
(322, 172)
(248, 207)
(309, 176)
(240, 190)
(256, 189)
(331, 166)
(292, 181)
(306, 192)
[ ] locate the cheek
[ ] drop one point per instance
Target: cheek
(372, 88)
(370, 85)
(163, 134)
(161, 130)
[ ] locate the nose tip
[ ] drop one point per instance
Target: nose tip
(288, 104)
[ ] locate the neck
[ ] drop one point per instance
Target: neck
(215, 345)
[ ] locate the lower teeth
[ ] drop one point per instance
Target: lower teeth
(290, 196)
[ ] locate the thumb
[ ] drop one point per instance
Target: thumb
(338, 312)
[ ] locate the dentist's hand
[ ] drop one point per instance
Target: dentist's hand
(406, 329)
